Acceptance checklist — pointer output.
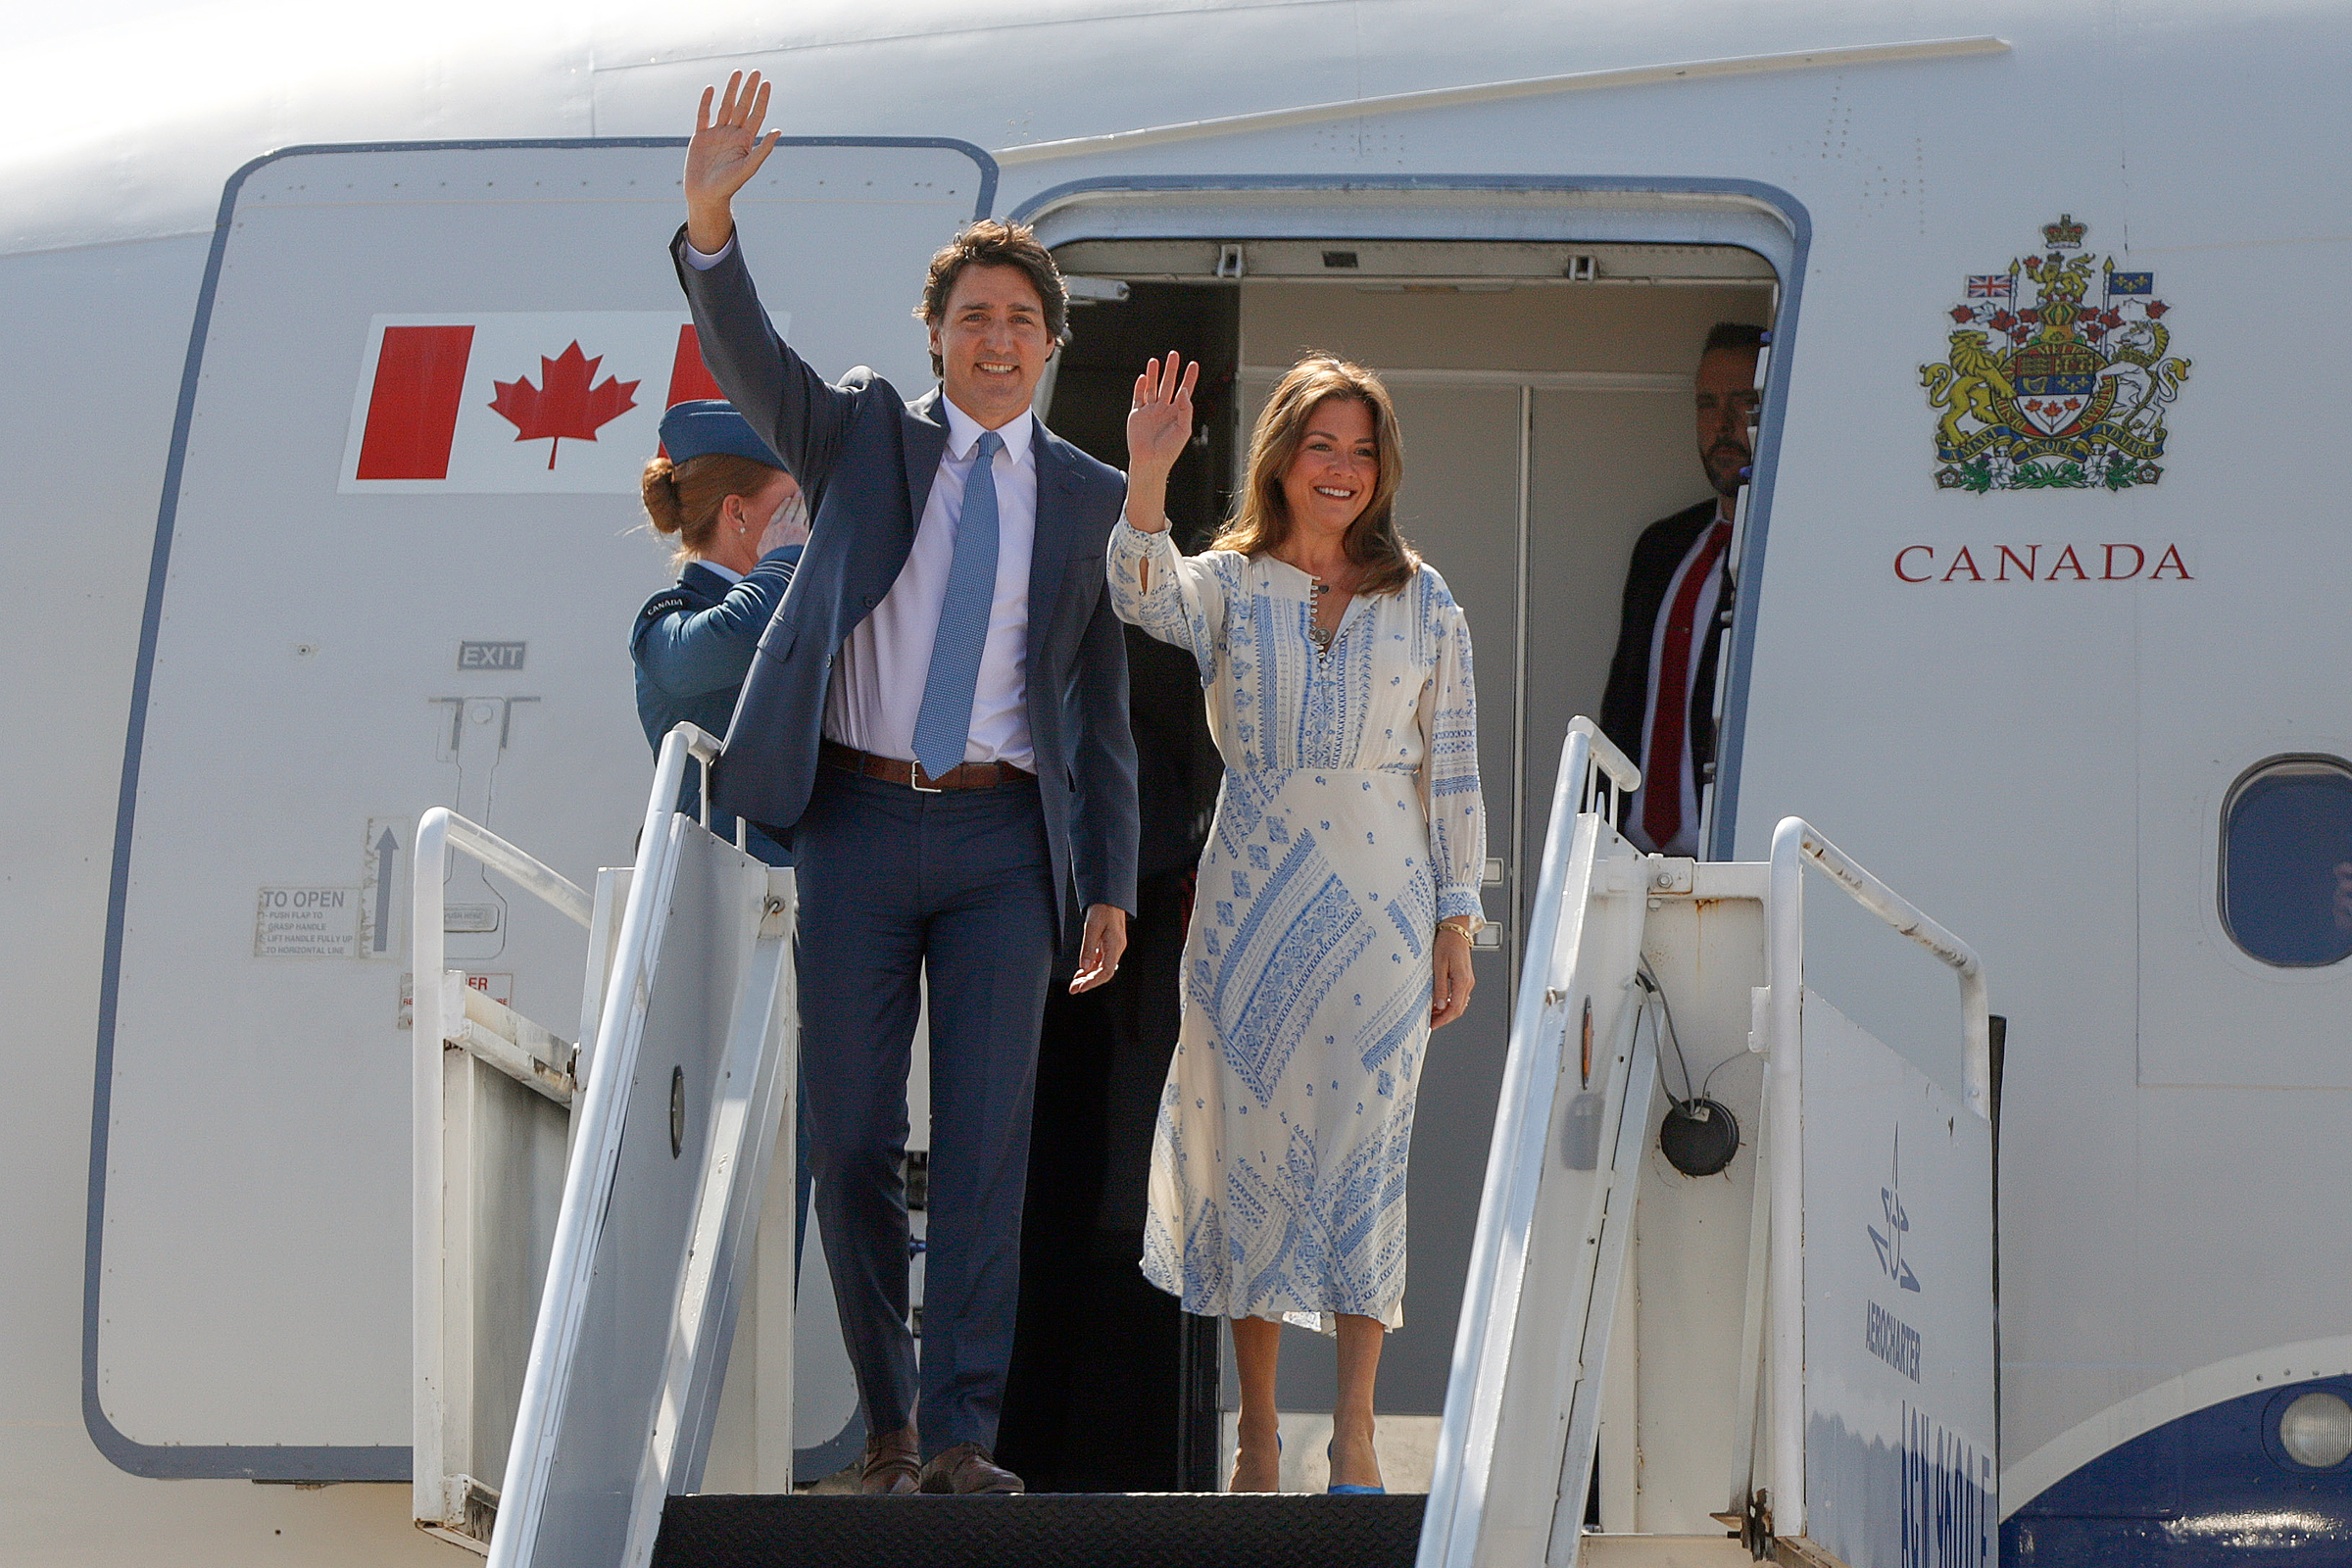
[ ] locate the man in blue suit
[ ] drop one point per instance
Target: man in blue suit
(936, 721)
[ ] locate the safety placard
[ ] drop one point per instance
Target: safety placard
(305, 923)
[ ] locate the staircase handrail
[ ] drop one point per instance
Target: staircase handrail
(1482, 1348)
(1603, 753)
(598, 1111)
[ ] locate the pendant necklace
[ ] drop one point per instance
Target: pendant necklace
(1316, 632)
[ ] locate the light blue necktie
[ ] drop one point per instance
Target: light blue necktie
(945, 721)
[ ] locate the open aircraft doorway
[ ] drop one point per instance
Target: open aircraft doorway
(1544, 389)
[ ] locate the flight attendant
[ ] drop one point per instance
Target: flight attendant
(740, 523)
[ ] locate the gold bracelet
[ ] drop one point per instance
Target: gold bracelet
(1462, 930)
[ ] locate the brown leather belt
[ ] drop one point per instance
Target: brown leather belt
(897, 770)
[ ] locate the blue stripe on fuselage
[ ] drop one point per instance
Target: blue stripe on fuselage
(2211, 1490)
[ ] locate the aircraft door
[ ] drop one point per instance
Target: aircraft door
(396, 565)
(1547, 426)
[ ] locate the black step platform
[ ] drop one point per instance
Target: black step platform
(1048, 1530)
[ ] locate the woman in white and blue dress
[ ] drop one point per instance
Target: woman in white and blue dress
(1339, 892)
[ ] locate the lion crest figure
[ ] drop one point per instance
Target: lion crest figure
(1969, 383)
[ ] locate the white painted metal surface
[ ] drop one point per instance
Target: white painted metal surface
(1503, 91)
(480, 1152)
(1533, 1389)
(1624, 1140)
(692, 1074)
(1900, 1458)
(1797, 843)
(2126, 707)
(1678, 1406)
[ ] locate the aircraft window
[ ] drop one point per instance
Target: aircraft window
(2286, 861)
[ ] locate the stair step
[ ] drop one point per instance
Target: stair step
(1047, 1529)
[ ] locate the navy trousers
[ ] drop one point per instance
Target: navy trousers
(894, 883)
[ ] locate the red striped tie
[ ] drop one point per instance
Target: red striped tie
(1662, 777)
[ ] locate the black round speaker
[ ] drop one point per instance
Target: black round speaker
(1700, 1137)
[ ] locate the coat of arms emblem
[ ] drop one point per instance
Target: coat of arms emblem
(2058, 377)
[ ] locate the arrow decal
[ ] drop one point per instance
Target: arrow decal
(386, 848)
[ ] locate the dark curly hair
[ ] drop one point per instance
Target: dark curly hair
(989, 243)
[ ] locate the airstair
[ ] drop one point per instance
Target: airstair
(1685, 1344)
(611, 1312)
(1731, 1296)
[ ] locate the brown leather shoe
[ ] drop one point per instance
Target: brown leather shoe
(966, 1468)
(893, 1463)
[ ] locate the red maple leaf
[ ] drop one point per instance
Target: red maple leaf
(568, 406)
(1964, 312)
(2155, 308)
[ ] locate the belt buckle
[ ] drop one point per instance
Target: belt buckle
(914, 780)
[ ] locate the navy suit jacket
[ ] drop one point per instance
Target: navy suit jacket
(867, 457)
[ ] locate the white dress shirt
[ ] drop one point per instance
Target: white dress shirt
(881, 669)
(878, 679)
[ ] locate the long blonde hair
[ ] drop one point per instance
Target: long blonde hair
(1262, 516)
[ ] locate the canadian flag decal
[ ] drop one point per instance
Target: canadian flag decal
(516, 402)
(419, 373)
(571, 403)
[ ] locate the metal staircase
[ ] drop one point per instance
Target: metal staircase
(1786, 1354)
(675, 1114)
(1662, 1367)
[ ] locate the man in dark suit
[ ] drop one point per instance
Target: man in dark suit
(936, 721)
(1660, 705)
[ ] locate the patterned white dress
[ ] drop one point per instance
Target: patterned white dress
(1349, 824)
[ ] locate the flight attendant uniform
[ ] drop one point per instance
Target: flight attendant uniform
(692, 644)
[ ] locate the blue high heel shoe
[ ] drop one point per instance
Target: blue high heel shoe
(1344, 1489)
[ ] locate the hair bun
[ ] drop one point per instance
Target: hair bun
(659, 488)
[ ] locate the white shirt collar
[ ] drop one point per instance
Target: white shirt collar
(964, 432)
(724, 574)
